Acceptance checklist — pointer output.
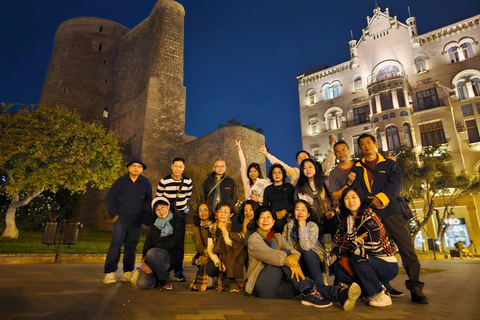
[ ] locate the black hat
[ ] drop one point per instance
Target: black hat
(137, 159)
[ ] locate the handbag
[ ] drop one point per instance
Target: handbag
(345, 265)
(407, 212)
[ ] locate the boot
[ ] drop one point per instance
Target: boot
(416, 290)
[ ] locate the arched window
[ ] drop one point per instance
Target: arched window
(387, 72)
(357, 82)
(408, 135)
(453, 54)
(326, 93)
(311, 97)
(393, 140)
(386, 100)
(392, 115)
(476, 86)
(467, 50)
(334, 120)
(336, 90)
(462, 90)
(420, 64)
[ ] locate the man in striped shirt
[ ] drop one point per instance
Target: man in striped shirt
(177, 188)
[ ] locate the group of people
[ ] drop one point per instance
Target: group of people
(274, 246)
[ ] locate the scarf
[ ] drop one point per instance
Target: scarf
(269, 238)
(164, 225)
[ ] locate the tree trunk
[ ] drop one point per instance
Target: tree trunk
(11, 230)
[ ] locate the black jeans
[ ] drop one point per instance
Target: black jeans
(397, 229)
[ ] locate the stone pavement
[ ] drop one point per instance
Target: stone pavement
(76, 291)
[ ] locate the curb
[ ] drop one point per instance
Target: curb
(49, 258)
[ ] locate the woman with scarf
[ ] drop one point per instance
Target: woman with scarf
(202, 220)
(274, 271)
(361, 249)
(311, 188)
(302, 234)
(226, 249)
(162, 251)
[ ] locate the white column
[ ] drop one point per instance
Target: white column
(395, 99)
(378, 103)
(471, 93)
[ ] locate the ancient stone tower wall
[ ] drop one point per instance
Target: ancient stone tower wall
(82, 69)
(149, 109)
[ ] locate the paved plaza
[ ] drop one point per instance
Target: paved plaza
(76, 291)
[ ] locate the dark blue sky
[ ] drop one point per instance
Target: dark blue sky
(241, 56)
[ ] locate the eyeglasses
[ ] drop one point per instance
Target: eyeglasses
(202, 210)
(221, 211)
(340, 150)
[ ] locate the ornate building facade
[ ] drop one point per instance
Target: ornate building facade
(407, 89)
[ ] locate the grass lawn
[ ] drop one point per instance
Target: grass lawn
(88, 241)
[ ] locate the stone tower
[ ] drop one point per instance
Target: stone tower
(132, 81)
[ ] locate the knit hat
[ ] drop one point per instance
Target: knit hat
(160, 200)
(137, 159)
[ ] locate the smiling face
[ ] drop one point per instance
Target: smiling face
(301, 212)
(352, 201)
(253, 173)
(223, 214)
(309, 169)
(203, 212)
(277, 175)
(248, 212)
(162, 210)
(177, 168)
(265, 221)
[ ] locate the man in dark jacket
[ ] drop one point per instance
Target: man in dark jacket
(126, 198)
(218, 187)
(381, 180)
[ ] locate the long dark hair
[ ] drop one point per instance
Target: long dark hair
(344, 212)
(196, 217)
(318, 179)
(257, 167)
(310, 212)
(241, 214)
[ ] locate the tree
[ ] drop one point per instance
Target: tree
(431, 177)
(49, 148)
(233, 122)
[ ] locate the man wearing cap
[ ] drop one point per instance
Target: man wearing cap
(126, 198)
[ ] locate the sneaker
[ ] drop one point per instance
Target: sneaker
(168, 286)
(348, 295)
(394, 293)
(315, 299)
(418, 296)
(179, 276)
(126, 276)
(134, 277)
(109, 278)
(232, 286)
(380, 299)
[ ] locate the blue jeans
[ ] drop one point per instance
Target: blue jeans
(129, 236)
(311, 261)
(370, 274)
(159, 261)
(276, 282)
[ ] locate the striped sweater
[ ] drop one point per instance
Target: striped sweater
(169, 188)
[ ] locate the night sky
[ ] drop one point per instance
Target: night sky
(241, 56)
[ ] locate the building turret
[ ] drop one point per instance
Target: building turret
(412, 29)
